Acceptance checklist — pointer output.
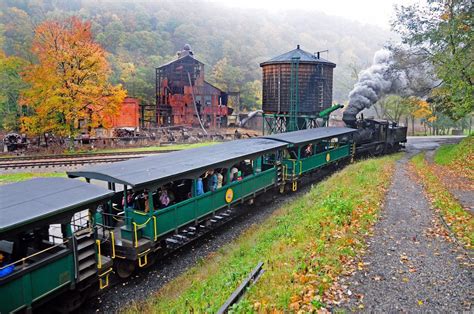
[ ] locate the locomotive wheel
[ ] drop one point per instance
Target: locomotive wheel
(378, 150)
(124, 268)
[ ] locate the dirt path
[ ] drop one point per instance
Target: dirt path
(407, 267)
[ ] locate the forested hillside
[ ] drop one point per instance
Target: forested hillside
(140, 36)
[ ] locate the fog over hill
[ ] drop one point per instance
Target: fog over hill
(141, 35)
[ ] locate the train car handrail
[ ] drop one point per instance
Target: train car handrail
(135, 229)
(24, 259)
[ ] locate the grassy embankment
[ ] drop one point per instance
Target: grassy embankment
(305, 245)
(22, 176)
(458, 158)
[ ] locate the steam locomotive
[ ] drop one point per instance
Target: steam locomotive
(374, 136)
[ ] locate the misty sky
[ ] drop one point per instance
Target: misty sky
(376, 12)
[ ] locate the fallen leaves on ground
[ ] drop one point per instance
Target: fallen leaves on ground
(457, 219)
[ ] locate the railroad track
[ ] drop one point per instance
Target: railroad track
(81, 155)
(47, 161)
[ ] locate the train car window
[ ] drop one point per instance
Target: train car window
(56, 234)
(80, 221)
(183, 190)
(30, 247)
(344, 140)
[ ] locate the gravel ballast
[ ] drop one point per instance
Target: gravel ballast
(408, 266)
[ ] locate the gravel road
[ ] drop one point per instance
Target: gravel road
(149, 281)
(408, 268)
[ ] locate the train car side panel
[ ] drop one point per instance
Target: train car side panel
(169, 219)
(37, 284)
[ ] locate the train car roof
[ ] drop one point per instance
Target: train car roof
(309, 135)
(163, 168)
(39, 199)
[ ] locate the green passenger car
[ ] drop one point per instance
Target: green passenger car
(140, 219)
(167, 200)
(46, 246)
(312, 149)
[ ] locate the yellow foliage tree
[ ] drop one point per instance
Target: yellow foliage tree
(420, 109)
(69, 86)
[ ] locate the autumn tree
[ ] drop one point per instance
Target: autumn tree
(10, 86)
(69, 85)
(441, 31)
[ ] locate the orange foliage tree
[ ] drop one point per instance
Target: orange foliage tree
(69, 86)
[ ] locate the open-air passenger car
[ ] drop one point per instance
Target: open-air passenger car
(142, 221)
(311, 149)
(48, 243)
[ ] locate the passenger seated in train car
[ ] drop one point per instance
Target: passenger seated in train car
(239, 176)
(128, 201)
(205, 181)
(5, 269)
(233, 173)
(141, 202)
(220, 178)
(199, 187)
(171, 194)
(6, 249)
(308, 151)
(246, 167)
(212, 181)
(164, 198)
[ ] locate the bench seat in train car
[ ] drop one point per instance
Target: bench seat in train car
(40, 264)
(151, 173)
(313, 148)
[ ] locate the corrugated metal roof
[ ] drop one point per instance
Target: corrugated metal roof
(304, 57)
(29, 201)
(163, 168)
(306, 136)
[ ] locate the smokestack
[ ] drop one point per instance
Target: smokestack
(297, 46)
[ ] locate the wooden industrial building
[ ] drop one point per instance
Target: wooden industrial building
(183, 96)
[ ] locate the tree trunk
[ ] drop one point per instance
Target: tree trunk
(470, 124)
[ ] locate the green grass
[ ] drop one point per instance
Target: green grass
(22, 176)
(459, 220)
(304, 245)
(449, 154)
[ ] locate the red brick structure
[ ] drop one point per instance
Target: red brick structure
(129, 115)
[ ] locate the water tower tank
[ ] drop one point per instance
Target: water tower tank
(313, 74)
